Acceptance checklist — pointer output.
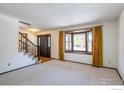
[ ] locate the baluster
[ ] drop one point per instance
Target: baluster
(33, 49)
(26, 46)
(30, 49)
(21, 42)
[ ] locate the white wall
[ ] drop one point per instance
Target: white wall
(9, 54)
(121, 45)
(78, 58)
(110, 45)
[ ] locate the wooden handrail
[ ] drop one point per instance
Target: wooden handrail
(27, 38)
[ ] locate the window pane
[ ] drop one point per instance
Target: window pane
(89, 41)
(79, 42)
(49, 41)
(68, 42)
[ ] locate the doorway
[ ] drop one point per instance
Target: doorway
(44, 46)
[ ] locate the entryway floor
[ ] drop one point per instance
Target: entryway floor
(44, 59)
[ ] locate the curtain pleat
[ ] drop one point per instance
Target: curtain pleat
(97, 46)
(61, 45)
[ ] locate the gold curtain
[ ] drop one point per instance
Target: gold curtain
(97, 46)
(61, 45)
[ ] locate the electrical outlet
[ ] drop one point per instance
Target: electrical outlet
(109, 61)
(9, 64)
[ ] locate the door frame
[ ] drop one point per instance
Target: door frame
(38, 49)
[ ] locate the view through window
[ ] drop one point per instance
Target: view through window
(79, 42)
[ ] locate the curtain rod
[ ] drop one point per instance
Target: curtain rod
(82, 28)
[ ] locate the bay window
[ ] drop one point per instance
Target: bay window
(79, 42)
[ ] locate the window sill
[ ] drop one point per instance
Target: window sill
(78, 52)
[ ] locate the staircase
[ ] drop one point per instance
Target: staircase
(27, 47)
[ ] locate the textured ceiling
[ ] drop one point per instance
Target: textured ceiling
(49, 16)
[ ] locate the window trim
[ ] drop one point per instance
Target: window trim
(72, 43)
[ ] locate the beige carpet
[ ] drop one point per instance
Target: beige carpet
(57, 72)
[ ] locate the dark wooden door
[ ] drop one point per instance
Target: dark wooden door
(44, 43)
